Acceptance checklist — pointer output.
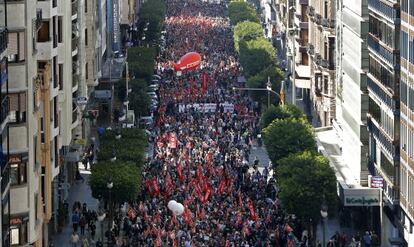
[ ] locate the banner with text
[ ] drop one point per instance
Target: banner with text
(206, 107)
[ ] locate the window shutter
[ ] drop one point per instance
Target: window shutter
(12, 45)
(22, 47)
(14, 102)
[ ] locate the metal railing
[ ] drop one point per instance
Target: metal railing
(5, 108)
(74, 7)
(3, 39)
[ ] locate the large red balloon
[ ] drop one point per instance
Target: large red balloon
(189, 61)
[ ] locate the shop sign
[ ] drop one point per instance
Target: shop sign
(377, 182)
(81, 142)
(361, 201)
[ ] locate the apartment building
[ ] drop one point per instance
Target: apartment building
(4, 132)
(292, 28)
(384, 109)
(406, 182)
(321, 50)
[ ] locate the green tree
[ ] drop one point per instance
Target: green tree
(305, 181)
(287, 136)
(130, 147)
(260, 80)
(256, 55)
(245, 31)
(153, 13)
(281, 112)
(126, 178)
(141, 61)
(242, 11)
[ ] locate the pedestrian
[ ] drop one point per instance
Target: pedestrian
(75, 220)
(74, 239)
(375, 239)
(82, 224)
(367, 239)
(92, 230)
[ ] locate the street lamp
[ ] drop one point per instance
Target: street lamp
(324, 214)
(268, 89)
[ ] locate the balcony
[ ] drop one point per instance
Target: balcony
(39, 18)
(74, 45)
(5, 108)
(384, 97)
(3, 39)
(311, 11)
(46, 50)
(74, 9)
(75, 82)
(5, 176)
(48, 8)
(384, 10)
(381, 51)
(382, 138)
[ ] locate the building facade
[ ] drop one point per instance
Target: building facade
(321, 50)
(406, 182)
(4, 132)
(383, 118)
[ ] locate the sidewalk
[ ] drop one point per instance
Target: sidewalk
(79, 191)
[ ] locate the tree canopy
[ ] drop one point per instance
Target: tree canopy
(260, 80)
(287, 136)
(241, 11)
(130, 147)
(256, 55)
(126, 178)
(281, 112)
(305, 181)
(245, 31)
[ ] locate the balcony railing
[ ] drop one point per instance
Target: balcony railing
(75, 43)
(74, 114)
(5, 108)
(381, 51)
(74, 7)
(383, 96)
(5, 176)
(382, 138)
(39, 17)
(384, 9)
(3, 39)
(75, 80)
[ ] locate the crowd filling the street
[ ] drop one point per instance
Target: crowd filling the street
(198, 187)
(201, 157)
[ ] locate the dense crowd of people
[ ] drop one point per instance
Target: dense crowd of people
(201, 160)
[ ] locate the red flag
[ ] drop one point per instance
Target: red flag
(253, 215)
(222, 184)
(155, 186)
(204, 83)
(179, 169)
(246, 230)
(207, 195)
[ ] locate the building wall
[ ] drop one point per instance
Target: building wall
(353, 97)
(407, 121)
(322, 60)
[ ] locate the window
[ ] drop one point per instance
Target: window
(86, 37)
(17, 108)
(86, 71)
(18, 173)
(387, 167)
(381, 73)
(60, 30)
(86, 6)
(16, 50)
(60, 67)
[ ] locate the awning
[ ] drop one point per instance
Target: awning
(303, 71)
(303, 83)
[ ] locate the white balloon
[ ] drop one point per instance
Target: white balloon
(178, 209)
(171, 205)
